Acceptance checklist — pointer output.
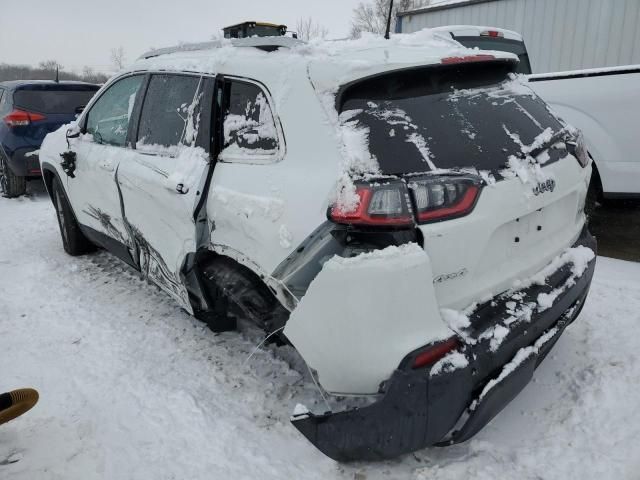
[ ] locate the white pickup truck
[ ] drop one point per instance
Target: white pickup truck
(603, 103)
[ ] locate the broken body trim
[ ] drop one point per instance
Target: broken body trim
(418, 409)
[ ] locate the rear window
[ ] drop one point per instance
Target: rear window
(463, 116)
(53, 101)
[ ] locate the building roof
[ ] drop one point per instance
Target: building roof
(442, 5)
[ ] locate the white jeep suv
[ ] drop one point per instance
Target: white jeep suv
(405, 213)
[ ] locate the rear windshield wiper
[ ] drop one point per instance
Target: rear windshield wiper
(563, 135)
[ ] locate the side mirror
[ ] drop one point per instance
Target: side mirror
(74, 132)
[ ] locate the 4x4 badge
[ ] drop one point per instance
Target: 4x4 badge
(548, 186)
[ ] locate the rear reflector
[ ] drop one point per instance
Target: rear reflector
(435, 353)
(20, 118)
(468, 59)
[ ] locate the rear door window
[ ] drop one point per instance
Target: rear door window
(471, 116)
(249, 127)
(171, 112)
(52, 100)
(108, 119)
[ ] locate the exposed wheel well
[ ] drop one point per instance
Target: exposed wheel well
(230, 288)
(48, 176)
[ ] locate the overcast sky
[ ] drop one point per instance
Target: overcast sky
(83, 32)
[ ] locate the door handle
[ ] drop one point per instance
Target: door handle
(182, 189)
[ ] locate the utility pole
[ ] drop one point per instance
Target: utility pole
(387, 35)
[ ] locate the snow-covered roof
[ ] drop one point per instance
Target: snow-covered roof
(329, 64)
(255, 42)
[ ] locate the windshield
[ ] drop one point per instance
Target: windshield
(516, 47)
(52, 100)
(465, 116)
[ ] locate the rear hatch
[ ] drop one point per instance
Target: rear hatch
(50, 106)
(476, 119)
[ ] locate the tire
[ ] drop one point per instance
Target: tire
(73, 240)
(11, 185)
(236, 292)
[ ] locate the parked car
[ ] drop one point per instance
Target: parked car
(402, 212)
(29, 110)
(600, 102)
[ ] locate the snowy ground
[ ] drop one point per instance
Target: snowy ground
(133, 388)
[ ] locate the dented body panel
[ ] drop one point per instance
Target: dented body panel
(366, 313)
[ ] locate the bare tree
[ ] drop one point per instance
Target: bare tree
(372, 17)
(118, 58)
(46, 71)
(50, 65)
(308, 29)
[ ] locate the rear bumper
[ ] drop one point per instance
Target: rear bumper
(418, 409)
(24, 162)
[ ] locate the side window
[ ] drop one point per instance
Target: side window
(4, 100)
(249, 127)
(108, 119)
(171, 112)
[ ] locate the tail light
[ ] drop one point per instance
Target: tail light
(426, 200)
(436, 352)
(578, 148)
(444, 198)
(380, 205)
(20, 118)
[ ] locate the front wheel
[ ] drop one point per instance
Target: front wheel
(11, 185)
(73, 240)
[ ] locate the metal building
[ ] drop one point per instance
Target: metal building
(560, 34)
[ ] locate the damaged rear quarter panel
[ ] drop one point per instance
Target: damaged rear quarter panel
(362, 316)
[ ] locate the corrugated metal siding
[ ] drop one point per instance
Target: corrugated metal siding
(560, 34)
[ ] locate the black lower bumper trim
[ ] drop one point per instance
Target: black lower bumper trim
(417, 410)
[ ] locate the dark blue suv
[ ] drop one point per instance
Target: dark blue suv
(29, 110)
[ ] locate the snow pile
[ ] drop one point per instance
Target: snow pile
(243, 130)
(517, 309)
(357, 161)
(390, 257)
(358, 297)
(239, 204)
(449, 363)
(286, 237)
(188, 168)
(520, 357)
(132, 387)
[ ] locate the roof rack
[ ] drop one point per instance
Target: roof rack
(268, 44)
